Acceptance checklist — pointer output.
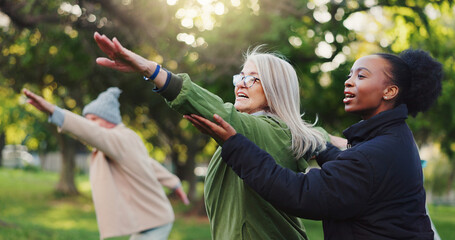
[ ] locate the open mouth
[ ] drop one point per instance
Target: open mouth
(348, 97)
(241, 95)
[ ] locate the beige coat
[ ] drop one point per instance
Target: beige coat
(126, 183)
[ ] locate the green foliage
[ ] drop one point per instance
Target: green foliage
(55, 55)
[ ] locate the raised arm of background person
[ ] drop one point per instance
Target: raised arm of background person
(168, 180)
(38, 102)
(111, 143)
(339, 190)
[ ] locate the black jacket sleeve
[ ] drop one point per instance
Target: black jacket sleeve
(330, 153)
(337, 191)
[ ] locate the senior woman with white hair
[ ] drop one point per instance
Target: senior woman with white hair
(266, 110)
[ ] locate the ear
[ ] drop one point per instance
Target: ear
(390, 92)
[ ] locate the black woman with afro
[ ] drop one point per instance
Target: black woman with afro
(374, 188)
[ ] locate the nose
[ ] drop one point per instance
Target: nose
(349, 82)
(241, 84)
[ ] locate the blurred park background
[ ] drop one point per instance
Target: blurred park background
(48, 47)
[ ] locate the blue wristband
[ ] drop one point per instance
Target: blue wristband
(168, 79)
(157, 70)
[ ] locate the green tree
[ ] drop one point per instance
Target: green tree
(48, 46)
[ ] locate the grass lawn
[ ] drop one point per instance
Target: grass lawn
(29, 210)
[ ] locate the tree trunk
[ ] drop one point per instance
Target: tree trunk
(451, 178)
(185, 171)
(2, 145)
(190, 176)
(66, 185)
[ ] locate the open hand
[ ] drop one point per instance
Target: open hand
(220, 132)
(182, 195)
(120, 58)
(39, 102)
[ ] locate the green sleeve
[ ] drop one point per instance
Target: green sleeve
(269, 133)
(194, 99)
(325, 134)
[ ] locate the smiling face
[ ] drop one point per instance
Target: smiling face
(368, 90)
(250, 100)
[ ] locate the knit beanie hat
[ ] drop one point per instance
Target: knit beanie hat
(106, 106)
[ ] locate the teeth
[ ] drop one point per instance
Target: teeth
(349, 95)
(242, 95)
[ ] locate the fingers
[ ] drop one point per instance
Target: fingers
(27, 92)
(36, 105)
(224, 124)
(206, 126)
(106, 62)
(182, 195)
(117, 44)
(198, 125)
(128, 57)
(31, 95)
(209, 124)
(105, 44)
(34, 100)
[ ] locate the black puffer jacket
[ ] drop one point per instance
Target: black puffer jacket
(372, 190)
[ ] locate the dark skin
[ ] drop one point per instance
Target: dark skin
(221, 131)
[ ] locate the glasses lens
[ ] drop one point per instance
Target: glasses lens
(236, 79)
(249, 81)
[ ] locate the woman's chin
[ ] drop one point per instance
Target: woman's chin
(239, 106)
(349, 109)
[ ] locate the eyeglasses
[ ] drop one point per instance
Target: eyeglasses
(248, 81)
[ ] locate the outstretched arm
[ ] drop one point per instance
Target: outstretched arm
(337, 191)
(122, 59)
(169, 180)
(38, 102)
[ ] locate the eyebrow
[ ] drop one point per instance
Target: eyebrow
(362, 68)
(251, 73)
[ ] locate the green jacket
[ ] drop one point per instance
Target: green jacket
(236, 211)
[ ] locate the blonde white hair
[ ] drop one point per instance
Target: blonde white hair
(281, 88)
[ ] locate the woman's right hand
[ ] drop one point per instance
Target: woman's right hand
(120, 58)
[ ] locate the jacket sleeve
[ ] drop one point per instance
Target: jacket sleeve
(329, 154)
(165, 177)
(339, 190)
(193, 99)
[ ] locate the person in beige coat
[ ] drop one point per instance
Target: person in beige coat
(126, 182)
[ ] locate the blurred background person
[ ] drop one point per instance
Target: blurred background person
(126, 182)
